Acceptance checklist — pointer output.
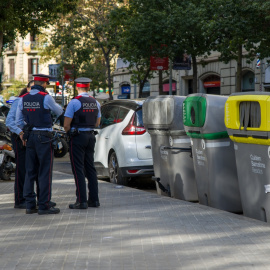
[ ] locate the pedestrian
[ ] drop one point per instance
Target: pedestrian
(19, 149)
(81, 117)
(34, 108)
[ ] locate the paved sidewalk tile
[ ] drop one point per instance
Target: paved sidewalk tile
(132, 230)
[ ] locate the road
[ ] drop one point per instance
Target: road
(63, 165)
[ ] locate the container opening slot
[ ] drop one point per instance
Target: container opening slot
(250, 114)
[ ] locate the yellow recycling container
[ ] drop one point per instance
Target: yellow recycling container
(247, 119)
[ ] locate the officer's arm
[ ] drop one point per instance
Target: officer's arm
(98, 122)
(49, 103)
(99, 115)
(10, 121)
(67, 123)
(19, 120)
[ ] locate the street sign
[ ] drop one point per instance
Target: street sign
(182, 63)
(157, 63)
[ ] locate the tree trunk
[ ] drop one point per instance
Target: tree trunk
(109, 77)
(160, 85)
(239, 70)
(1, 41)
(143, 81)
(195, 74)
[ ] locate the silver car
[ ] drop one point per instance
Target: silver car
(123, 146)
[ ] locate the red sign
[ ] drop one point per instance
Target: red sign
(68, 73)
(211, 84)
(157, 63)
(166, 87)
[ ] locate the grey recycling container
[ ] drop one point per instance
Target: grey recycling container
(171, 148)
(213, 152)
(247, 119)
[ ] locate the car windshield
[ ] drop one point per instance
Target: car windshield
(139, 118)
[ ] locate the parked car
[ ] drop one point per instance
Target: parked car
(123, 146)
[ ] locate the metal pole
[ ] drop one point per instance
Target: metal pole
(261, 74)
(170, 79)
(63, 87)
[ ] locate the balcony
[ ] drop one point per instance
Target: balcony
(13, 48)
(33, 46)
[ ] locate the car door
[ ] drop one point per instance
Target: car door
(108, 120)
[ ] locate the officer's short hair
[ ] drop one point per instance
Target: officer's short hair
(39, 83)
(83, 88)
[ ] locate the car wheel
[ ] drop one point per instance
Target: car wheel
(4, 175)
(114, 172)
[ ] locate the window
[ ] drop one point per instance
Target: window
(108, 116)
(33, 67)
(122, 114)
(139, 119)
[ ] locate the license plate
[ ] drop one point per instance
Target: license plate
(1, 158)
(60, 145)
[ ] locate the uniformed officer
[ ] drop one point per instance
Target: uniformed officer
(19, 150)
(81, 117)
(35, 109)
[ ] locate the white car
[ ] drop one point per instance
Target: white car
(123, 146)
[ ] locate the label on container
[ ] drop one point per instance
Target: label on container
(257, 166)
(200, 157)
(267, 188)
(163, 153)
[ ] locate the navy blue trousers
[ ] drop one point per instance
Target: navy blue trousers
(20, 151)
(39, 165)
(81, 151)
(20, 155)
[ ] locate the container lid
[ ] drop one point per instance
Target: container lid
(163, 112)
(194, 111)
(247, 117)
(204, 116)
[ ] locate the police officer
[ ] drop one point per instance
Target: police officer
(35, 109)
(81, 117)
(19, 150)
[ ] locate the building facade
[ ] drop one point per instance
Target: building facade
(213, 78)
(21, 60)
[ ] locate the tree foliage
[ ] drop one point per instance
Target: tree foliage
(241, 29)
(22, 17)
(88, 39)
(150, 24)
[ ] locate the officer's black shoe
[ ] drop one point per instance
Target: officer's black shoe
(51, 204)
(49, 211)
(78, 205)
(31, 210)
(20, 206)
(93, 204)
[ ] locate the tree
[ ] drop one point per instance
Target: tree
(88, 39)
(181, 25)
(241, 30)
(22, 17)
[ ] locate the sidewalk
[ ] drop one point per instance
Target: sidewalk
(132, 229)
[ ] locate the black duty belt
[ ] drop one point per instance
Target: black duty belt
(43, 133)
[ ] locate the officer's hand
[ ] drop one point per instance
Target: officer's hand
(23, 141)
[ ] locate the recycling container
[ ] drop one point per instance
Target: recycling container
(213, 152)
(247, 119)
(171, 148)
